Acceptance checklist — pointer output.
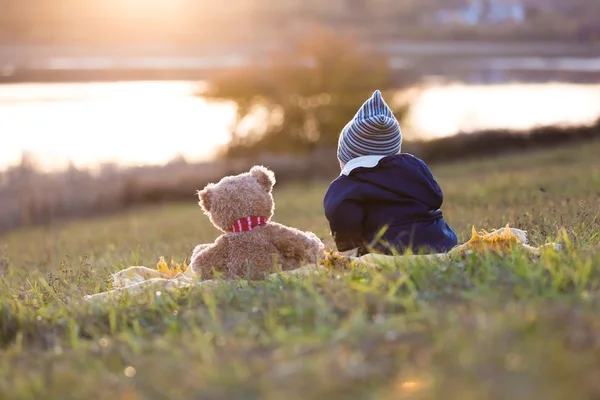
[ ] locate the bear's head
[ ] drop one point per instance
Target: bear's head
(239, 196)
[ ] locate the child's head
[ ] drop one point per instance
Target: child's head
(373, 131)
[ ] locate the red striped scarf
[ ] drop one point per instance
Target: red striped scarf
(248, 223)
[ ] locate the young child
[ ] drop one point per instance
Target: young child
(384, 200)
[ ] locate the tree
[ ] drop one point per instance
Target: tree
(299, 98)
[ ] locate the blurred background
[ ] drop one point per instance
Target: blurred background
(106, 105)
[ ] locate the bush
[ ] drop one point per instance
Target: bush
(298, 99)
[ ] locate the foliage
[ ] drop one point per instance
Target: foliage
(474, 329)
(173, 270)
(299, 98)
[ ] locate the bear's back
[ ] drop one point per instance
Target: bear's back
(252, 255)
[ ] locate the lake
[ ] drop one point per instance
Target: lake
(133, 123)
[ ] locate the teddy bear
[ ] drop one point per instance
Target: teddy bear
(251, 246)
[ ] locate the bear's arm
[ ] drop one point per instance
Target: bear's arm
(211, 257)
(198, 249)
(295, 243)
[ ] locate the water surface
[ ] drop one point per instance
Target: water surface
(153, 122)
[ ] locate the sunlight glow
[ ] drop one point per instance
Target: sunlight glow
(127, 123)
(156, 8)
(409, 386)
(448, 109)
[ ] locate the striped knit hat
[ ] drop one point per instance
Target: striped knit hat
(373, 131)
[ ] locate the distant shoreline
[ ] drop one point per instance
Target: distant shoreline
(400, 78)
(34, 198)
(411, 60)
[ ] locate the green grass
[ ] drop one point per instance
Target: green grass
(482, 328)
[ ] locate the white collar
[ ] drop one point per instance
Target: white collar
(361, 162)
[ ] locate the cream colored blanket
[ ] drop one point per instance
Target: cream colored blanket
(138, 279)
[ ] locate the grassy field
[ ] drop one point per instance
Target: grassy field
(479, 329)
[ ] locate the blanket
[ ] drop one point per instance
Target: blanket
(138, 279)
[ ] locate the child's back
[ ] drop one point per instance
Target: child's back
(384, 198)
(398, 193)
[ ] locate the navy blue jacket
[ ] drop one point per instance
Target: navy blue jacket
(400, 195)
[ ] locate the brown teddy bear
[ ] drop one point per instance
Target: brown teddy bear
(252, 246)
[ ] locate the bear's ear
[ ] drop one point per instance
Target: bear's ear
(205, 196)
(264, 176)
